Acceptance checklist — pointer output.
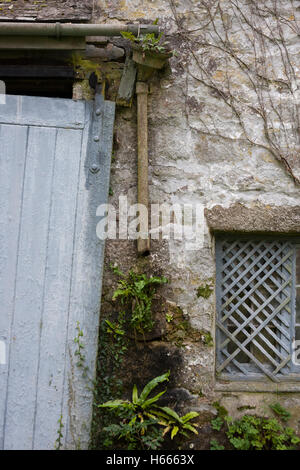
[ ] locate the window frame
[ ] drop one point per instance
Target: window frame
(254, 375)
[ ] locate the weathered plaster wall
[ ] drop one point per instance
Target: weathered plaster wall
(198, 154)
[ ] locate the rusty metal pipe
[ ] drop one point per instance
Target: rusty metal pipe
(143, 242)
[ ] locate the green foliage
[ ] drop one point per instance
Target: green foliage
(113, 345)
(204, 291)
(222, 412)
(256, 433)
(79, 353)
(208, 339)
(138, 435)
(280, 411)
(217, 423)
(87, 66)
(214, 445)
(58, 442)
(135, 292)
(147, 42)
(175, 424)
(114, 328)
(169, 317)
(142, 423)
(80, 346)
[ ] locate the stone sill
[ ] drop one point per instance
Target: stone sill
(259, 218)
(291, 385)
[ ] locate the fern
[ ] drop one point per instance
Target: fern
(135, 292)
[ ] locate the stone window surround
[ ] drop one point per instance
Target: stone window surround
(256, 219)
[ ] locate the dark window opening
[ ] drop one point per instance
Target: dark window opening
(37, 77)
(29, 87)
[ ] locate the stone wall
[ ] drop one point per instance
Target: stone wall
(203, 150)
(46, 10)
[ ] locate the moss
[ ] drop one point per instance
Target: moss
(179, 330)
(184, 326)
(222, 412)
(246, 407)
(86, 66)
(208, 339)
(112, 70)
(204, 291)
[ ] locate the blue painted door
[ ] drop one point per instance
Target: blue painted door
(53, 175)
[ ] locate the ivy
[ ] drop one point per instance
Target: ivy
(113, 345)
(58, 442)
(253, 432)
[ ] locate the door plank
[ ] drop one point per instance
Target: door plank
(29, 292)
(56, 301)
(13, 143)
(42, 111)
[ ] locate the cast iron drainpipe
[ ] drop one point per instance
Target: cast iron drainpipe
(73, 29)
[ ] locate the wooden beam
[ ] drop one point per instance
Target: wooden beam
(41, 43)
(126, 89)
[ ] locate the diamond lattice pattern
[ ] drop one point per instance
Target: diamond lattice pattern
(254, 323)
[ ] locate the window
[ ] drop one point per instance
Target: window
(258, 308)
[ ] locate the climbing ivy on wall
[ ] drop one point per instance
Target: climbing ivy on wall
(242, 53)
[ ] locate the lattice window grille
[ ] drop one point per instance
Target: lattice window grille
(254, 303)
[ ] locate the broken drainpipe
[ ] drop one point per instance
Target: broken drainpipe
(143, 242)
